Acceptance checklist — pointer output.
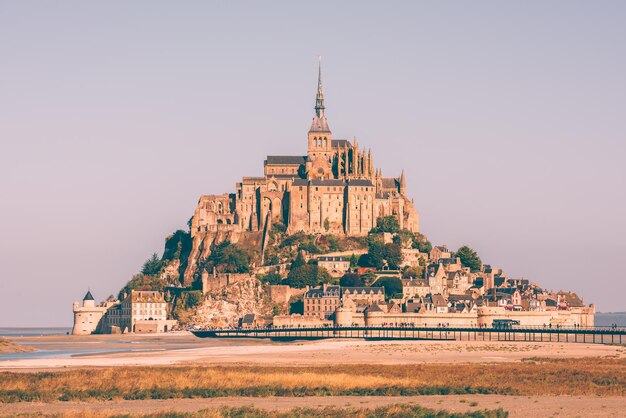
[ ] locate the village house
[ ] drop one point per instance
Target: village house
(322, 302)
(439, 252)
(142, 312)
(363, 295)
(336, 266)
(414, 288)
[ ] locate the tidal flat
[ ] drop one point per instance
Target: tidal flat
(181, 375)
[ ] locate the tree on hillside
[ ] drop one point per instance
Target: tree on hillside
(386, 224)
(392, 285)
(270, 278)
(142, 282)
(228, 258)
(404, 237)
(152, 265)
(351, 280)
(413, 272)
(307, 275)
(378, 253)
(423, 246)
(368, 277)
(375, 254)
(469, 258)
(298, 261)
(393, 255)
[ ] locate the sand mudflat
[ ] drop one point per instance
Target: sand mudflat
(146, 350)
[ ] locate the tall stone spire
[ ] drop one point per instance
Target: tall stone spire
(402, 183)
(320, 124)
(319, 97)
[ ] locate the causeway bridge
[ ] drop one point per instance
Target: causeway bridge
(595, 335)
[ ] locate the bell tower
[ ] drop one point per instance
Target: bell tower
(319, 134)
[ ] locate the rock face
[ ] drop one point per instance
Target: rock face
(224, 307)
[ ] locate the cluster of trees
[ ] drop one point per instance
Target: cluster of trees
(379, 254)
(392, 285)
(386, 224)
(301, 274)
(469, 258)
(227, 258)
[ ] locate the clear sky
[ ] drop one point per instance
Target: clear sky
(508, 118)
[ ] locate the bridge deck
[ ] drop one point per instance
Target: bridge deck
(579, 335)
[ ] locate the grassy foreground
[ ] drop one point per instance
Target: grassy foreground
(393, 411)
(593, 376)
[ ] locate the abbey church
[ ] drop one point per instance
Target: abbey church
(334, 188)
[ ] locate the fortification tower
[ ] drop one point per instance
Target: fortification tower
(87, 317)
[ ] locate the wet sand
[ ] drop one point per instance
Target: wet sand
(151, 350)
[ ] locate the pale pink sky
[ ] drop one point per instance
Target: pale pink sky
(509, 120)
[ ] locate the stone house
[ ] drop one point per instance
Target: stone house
(438, 252)
(336, 266)
(363, 295)
(322, 301)
(414, 288)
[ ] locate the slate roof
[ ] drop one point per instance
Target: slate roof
(332, 258)
(340, 143)
(300, 182)
(374, 308)
(438, 300)
(88, 296)
(146, 296)
(319, 124)
(414, 282)
(248, 319)
(366, 289)
(340, 183)
(389, 183)
(366, 183)
(331, 291)
(285, 159)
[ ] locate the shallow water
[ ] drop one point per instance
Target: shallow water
(610, 318)
(33, 331)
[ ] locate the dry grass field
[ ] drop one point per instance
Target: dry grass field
(392, 411)
(536, 376)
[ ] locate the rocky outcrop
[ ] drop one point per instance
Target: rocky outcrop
(225, 306)
(201, 249)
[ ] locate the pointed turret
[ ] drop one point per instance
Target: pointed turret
(402, 183)
(88, 300)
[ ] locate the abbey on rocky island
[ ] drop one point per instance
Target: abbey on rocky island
(334, 189)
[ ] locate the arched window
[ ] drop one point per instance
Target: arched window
(325, 142)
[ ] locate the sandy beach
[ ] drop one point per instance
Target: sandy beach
(186, 349)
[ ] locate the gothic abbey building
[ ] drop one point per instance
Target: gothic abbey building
(334, 189)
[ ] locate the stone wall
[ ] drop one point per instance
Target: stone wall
(213, 283)
(575, 316)
(297, 320)
(283, 293)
